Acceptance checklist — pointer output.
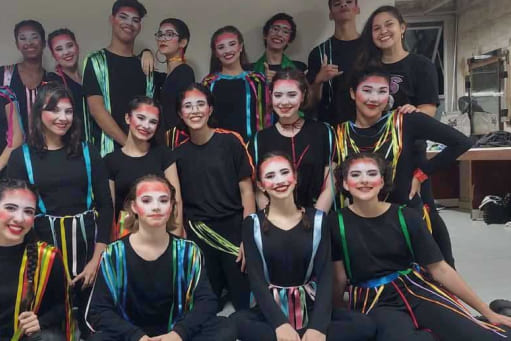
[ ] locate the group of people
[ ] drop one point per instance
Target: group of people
(134, 204)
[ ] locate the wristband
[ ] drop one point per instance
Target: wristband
(420, 175)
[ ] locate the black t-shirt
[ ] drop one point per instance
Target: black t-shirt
(230, 111)
(168, 87)
(75, 88)
(3, 123)
(278, 67)
(415, 126)
(287, 266)
(26, 96)
(336, 105)
(124, 170)
(52, 310)
(313, 150)
(62, 184)
(413, 80)
(209, 176)
(127, 80)
(377, 246)
(149, 299)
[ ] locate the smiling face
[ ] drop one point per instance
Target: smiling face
(278, 178)
(29, 43)
(278, 35)
(168, 40)
(126, 24)
(17, 212)
(387, 31)
(153, 204)
(228, 48)
(143, 122)
(343, 10)
(195, 110)
(364, 180)
(65, 50)
(287, 97)
(371, 97)
(58, 121)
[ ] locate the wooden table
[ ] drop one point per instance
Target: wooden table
(479, 172)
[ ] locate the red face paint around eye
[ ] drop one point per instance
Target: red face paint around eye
(364, 180)
(17, 212)
(277, 177)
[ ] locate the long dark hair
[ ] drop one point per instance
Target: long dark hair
(8, 184)
(214, 64)
(266, 210)
(370, 54)
(131, 220)
(47, 98)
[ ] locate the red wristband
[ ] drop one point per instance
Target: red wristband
(420, 175)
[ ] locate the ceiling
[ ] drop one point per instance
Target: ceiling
(426, 7)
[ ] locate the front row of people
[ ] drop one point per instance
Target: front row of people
(153, 285)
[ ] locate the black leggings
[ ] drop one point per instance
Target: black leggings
(345, 326)
(46, 335)
(435, 323)
(222, 269)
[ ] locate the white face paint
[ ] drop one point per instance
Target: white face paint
(287, 99)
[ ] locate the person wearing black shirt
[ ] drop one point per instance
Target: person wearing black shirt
(310, 143)
(215, 172)
(278, 32)
(240, 96)
(72, 184)
(413, 86)
(331, 63)
(33, 291)
(9, 126)
(152, 285)
(25, 78)
(301, 271)
(393, 135)
(140, 156)
(66, 52)
(112, 77)
(396, 271)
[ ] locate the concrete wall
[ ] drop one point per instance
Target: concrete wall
(89, 20)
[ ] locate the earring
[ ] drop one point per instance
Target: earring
(164, 58)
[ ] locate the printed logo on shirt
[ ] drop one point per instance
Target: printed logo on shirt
(395, 80)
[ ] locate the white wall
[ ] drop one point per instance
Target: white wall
(89, 20)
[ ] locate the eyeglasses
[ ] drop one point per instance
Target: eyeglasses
(277, 29)
(166, 35)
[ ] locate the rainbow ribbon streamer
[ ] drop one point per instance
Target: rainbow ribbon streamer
(14, 106)
(213, 239)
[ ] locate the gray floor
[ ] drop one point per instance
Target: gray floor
(482, 254)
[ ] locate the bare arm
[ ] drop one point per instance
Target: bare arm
(340, 282)
(17, 136)
(104, 119)
(171, 175)
(452, 281)
(327, 194)
(428, 109)
(247, 197)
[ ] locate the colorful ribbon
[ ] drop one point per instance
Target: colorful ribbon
(213, 239)
(7, 93)
(286, 63)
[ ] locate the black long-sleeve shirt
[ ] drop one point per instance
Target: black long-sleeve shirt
(62, 184)
(52, 309)
(416, 126)
(148, 300)
(287, 266)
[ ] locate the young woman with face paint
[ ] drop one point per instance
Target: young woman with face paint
(310, 143)
(240, 96)
(278, 32)
(397, 273)
(215, 172)
(33, 291)
(66, 53)
(74, 205)
(393, 135)
(141, 155)
(25, 78)
(413, 86)
(152, 285)
(299, 273)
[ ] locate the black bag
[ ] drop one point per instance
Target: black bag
(496, 210)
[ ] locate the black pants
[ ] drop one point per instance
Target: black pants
(345, 326)
(46, 335)
(435, 323)
(222, 269)
(217, 328)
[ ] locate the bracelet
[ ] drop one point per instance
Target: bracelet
(420, 175)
